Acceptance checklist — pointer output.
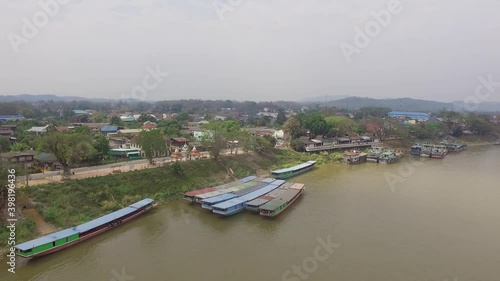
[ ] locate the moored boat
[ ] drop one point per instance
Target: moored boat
(209, 202)
(237, 204)
(191, 195)
(426, 150)
(354, 157)
(293, 171)
(65, 238)
(242, 185)
(374, 154)
(278, 205)
(416, 149)
(439, 152)
(454, 146)
(254, 205)
(389, 157)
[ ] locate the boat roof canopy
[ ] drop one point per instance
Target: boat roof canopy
(104, 219)
(273, 204)
(142, 203)
(83, 227)
(219, 198)
(247, 179)
(46, 239)
(295, 168)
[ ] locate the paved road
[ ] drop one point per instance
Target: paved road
(102, 170)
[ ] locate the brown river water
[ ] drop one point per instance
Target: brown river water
(423, 219)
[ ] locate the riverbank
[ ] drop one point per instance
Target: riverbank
(72, 202)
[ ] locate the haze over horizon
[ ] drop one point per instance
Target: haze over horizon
(251, 50)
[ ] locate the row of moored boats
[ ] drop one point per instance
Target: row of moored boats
(437, 151)
(376, 155)
(267, 196)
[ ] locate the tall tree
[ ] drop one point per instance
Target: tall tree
(152, 144)
(293, 127)
(4, 144)
(342, 125)
(219, 133)
(116, 121)
(315, 123)
(453, 120)
(146, 117)
(479, 124)
(281, 118)
(70, 149)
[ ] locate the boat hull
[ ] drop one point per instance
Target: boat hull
(286, 176)
(83, 238)
(227, 214)
(282, 210)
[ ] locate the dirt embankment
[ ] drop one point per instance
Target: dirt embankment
(42, 227)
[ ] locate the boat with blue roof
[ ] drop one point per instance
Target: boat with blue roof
(209, 202)
(236, 205)
(190, 195)
(255, 204)
(65, 238)
(246, 182)
(293, 171)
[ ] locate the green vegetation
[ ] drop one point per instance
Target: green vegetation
(4, 144)
(152, 144)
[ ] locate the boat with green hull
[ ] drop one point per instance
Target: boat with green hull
(65, 238)
(278, 205)
(293, 171)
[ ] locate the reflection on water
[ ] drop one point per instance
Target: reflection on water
(439, 222)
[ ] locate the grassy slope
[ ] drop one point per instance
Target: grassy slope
(72, 202)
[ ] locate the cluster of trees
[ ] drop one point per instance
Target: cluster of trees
(70, 148)
(372, 121)
(229, 135)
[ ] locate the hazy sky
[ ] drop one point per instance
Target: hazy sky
(249, 49)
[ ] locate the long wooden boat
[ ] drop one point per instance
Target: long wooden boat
(200, 197)
(237, 204)
(65, 238)
(190, 196)
(209, 202)
(278, 205)
(254, 205)
(293, 171)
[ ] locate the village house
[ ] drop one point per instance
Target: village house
(178, 143)
(38, 130)
(7, 130)
(25, 158)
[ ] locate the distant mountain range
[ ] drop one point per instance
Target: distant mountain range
(408, 104)
(48, 97)
(339, 101)
(325, 98)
